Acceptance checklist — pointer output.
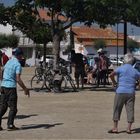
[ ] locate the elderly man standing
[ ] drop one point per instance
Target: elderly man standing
(125, 92)
(11, 76)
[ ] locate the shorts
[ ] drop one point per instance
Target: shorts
(79, 72)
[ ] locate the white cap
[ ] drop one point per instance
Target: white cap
(100, 50)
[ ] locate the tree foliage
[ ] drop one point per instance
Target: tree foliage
(12, 40)
(63, 13)
(8, 41)
(25, 19)
(132, 45)
(99, 43)
(3, 41)
(4, 14)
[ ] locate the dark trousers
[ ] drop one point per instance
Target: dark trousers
(104, 77)
(79, 73)
(8, 99)
(101, 77)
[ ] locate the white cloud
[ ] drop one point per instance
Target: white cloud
(6, 29)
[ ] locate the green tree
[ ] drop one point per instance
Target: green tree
(3, 41)
(132, 45)
(4, 16)
(63, 13)
(8, 41)
(12, 41)
(99, 43)
(31, 26)
(40, 35)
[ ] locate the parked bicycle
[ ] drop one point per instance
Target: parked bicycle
(44, 78)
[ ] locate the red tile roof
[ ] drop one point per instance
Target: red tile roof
(43, 15)
(87, 35)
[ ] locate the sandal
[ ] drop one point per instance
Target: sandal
(113, 131)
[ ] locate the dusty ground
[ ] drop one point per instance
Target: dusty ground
(86, 114)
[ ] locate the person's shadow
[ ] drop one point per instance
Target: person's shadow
(37, 126)
(22, 116)
(33, 126)
(136, 130)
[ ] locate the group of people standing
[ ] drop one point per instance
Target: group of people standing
(96, 72)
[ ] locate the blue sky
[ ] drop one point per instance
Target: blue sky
(7, 2)
(132, 30)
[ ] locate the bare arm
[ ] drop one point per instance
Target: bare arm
(112, 77)
(138, 83)
(22, 85)
(0, 72)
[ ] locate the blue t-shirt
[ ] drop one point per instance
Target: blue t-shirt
(11, 68)
(127, 77)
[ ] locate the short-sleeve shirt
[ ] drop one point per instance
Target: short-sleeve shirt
(11, 68)
(127, 76)
(78, 60)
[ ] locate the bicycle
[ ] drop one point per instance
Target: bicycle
(64, 67)
(37, 81)
(46, 78)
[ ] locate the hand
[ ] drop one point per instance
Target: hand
(114, 85)
(26, 92)
(138, 86)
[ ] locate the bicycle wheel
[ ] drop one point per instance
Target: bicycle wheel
(37, 82)
(49, 82)
(49, 79)
(71, 81)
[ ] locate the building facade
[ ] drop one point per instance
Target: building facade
(85, 38)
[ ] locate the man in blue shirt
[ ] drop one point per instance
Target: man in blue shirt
(11, 76)
(125, 92)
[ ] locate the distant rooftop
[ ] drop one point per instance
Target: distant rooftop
(87, 35)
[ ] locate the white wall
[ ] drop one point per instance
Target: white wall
(7, 51)
(6, 29)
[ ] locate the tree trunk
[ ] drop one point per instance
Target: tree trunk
(44, 51)
(56, 49)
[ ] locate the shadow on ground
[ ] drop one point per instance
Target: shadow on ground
(136, 130)
(37, 126)
(68, 90)
(86, 88)
(22, 116)
(107, 89)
